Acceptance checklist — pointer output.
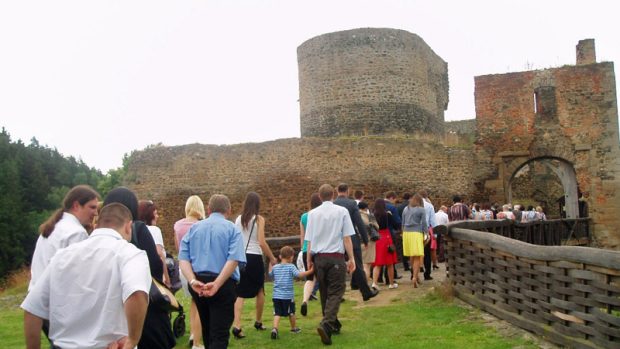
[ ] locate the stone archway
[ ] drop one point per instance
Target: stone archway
(561, 168)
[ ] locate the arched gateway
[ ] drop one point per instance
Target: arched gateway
(547, 181)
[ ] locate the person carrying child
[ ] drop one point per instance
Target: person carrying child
(283, 275)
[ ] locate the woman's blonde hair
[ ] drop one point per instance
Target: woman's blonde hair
(194, 207)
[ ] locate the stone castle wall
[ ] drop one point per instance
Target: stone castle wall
(568, 113)
(370, 82)
(286, 172)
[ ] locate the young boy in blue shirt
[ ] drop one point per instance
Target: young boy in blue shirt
(283, 275)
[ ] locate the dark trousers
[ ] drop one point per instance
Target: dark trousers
(216, 313)
(358, 278)
(427, 261)
(331, 274)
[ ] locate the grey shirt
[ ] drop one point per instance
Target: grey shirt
(414, 219)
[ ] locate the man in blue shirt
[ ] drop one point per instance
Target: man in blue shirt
(208, 257)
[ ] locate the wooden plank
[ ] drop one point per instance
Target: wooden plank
(533, 283)
(567, 291)
(532, 261)
(607, 300)
(603, 270)
(533, 294)
(585, 275)
(565, 306)
(546, 269)
(602, 315)
(566, 330)
(584, 302)
(562, 278)
(518, 306)
(606, 330)
(605, 287)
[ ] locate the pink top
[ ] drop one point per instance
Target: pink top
(181, 227)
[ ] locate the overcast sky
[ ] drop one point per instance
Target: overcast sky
(98, 79)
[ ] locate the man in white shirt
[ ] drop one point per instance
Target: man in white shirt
(94, 293)
(441, 216)
(328, 233)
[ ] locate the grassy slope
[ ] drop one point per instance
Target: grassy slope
(427, 322)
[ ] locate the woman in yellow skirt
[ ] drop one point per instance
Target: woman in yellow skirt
(415, 227)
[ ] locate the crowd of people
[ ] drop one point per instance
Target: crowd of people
(90, 288)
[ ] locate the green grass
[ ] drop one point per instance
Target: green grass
(427, 322)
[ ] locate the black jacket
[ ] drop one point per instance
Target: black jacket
(354, 213)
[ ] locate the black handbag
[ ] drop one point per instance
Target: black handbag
(391, 248)
(161, 297)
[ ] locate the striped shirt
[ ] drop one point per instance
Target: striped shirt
(283, 276)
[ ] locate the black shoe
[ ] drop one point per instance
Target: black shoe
(313, 297)
(304, 309)
(421, 269)
(238, 333)
(274, 334)
(428, 277)
(336, 330)
(259, 326)
(326, 336)
(435, 266)
(398, 277)
(372, 293)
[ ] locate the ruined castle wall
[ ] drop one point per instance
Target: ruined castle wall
(371, 82)
(569, 113)
(285, 173)
(461, 126)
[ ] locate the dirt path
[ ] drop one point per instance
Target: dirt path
(405, 291)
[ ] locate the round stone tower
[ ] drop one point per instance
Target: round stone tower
(370, 81)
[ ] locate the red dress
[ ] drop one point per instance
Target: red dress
(382, 256)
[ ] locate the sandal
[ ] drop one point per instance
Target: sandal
(238, 333)
(259, 326)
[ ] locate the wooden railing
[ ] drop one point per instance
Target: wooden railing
(569, 295)
(554, 232)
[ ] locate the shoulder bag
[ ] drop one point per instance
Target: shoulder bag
(243, 265)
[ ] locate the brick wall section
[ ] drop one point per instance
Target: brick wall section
(370, 82)
(583, 131)
(285, 172)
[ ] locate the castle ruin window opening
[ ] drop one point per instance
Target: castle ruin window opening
(544, 101)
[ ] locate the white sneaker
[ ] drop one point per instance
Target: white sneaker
(374, 286)
(198, 347)
(392, 286)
